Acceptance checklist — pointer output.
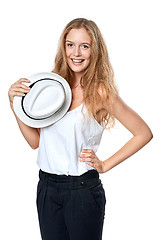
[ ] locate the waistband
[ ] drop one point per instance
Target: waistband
(91, 174)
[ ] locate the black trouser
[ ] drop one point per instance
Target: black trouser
(71, 207)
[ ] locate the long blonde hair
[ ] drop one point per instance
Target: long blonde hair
(98, 79)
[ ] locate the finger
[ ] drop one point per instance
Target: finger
(16, 92)
(90, 164)
(83, 155)
(23, 80)
(15, 85)
(13, 94)
(20, 89)
(86, 159)
(86, 151)
(21, 94)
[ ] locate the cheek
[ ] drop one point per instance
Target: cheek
(88, 56)
(68, 52)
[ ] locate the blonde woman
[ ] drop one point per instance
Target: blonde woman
(70, 195)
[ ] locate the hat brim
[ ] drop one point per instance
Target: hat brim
(40, 123)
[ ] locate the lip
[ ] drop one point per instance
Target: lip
(77, 63)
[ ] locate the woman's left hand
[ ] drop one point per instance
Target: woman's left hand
(89, 157)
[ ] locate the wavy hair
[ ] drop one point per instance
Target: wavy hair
(97, 82)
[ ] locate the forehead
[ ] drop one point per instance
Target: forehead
(78, 35)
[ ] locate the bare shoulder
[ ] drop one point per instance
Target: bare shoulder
(119, 106)
(128, 117)
(112, 101)
(107, 97)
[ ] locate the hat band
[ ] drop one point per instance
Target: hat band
(22, 101)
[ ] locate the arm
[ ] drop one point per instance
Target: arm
(136, 125)
(31, 135)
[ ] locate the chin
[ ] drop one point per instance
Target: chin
(78, 70)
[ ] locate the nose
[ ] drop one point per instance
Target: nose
(77, 51)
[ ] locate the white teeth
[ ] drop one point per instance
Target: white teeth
(77, 61)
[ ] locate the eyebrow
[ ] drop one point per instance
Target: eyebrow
(82, 42)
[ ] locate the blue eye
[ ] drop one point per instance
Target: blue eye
(84, 46)
(69, 44)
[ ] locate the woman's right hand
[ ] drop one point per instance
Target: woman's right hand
(32, 135)
(18, 89)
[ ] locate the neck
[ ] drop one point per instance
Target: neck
(77, 78)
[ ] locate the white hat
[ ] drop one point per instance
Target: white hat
(47, 102)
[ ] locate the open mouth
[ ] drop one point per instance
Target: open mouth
(77, 60)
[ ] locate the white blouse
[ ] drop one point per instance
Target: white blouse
(62, 142)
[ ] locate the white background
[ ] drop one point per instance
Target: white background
(30, 31)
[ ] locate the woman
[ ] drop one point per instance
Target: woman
(70, 196)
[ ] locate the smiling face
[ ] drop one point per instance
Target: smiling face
(78, 50)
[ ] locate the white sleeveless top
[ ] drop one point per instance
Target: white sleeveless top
(62, 142)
